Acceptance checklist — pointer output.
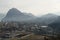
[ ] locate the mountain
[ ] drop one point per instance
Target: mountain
(47, 19)
(16, 15)
(58, 20)
(55, 25)
(2, 16)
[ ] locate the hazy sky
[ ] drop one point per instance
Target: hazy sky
(37, 7)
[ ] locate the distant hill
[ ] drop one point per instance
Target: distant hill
(16, 15)
(55, 25)
(47, 19)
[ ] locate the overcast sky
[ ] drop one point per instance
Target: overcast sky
(37, 7)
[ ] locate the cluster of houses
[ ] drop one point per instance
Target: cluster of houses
(10, 28)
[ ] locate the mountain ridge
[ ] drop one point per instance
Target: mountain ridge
(16, 15)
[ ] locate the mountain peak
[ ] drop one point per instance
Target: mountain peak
(13, 11)
(13, 8)
(16, 15)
